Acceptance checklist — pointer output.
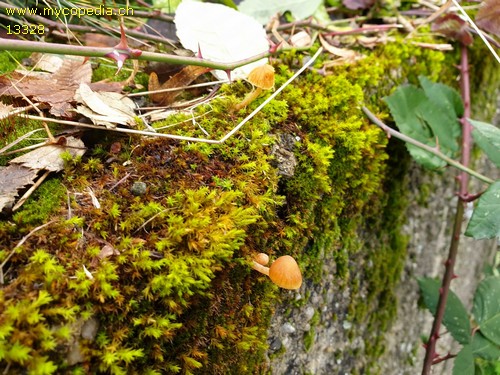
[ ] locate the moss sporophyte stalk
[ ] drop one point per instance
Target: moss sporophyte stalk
(172, 289)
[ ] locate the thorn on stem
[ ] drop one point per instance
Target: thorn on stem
(122, 51)
(273, 46)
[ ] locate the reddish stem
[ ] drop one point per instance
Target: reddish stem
(466, 127)
(443, 358)
(430, 352)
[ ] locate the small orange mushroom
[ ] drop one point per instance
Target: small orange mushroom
(262, 258)
(262, 78)
(284, 272)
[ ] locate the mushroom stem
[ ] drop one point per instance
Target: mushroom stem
(260, 268)
(250, 97)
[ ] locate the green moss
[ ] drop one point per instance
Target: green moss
(45, 201)
(10, 60)
(484, 83)
(166, 273)
(310, 335)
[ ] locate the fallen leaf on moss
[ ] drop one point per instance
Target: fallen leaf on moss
(488, 16)
(107, 251)
(49, 157)
(182, 78)
(12, 179)
(55, 90)
(347, 54)
(453, 27)
(46, 62)
(5, 110)
(23, 170)
(105, 108)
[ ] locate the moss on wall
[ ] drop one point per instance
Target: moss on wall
(163, 275)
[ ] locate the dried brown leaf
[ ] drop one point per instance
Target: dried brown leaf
(107, 251)
(46, 62)
(5, 110)
(373, 41)
(488, 16)
(95, 118)
(453, 27)
(14, 178)
(49, 157)
(74, 70)
(300, 39)
(57, 90)
(183, 78)
(341, 52)
(105, 107)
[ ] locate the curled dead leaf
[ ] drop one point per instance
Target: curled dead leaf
(488, 16)
(182, 78)
(341, 52)
(105, 108)
(107, 251)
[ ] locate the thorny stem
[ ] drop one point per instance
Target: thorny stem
(63, 49)
(57, 25)
(430, 351)
(466, 126)
(423, 146)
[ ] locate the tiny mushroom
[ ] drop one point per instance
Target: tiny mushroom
(262, 78)
(284, 272)
(262, 258)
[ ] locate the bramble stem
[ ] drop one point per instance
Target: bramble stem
(449, 275)
(63, 49)
(430, 350)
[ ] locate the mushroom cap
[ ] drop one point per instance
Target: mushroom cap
(262, 77)
(285, 273)
(262, 258)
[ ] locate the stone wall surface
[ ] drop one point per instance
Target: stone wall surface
(428, 225)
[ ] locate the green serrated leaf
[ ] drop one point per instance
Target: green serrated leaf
(455, 317)
(429, 115)
(486, 308)
(464, 362)
(404, 104)
(484, 348)
(487, 138)
(445, 124)
(264, 10)
(448, 96)
(485, 220)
